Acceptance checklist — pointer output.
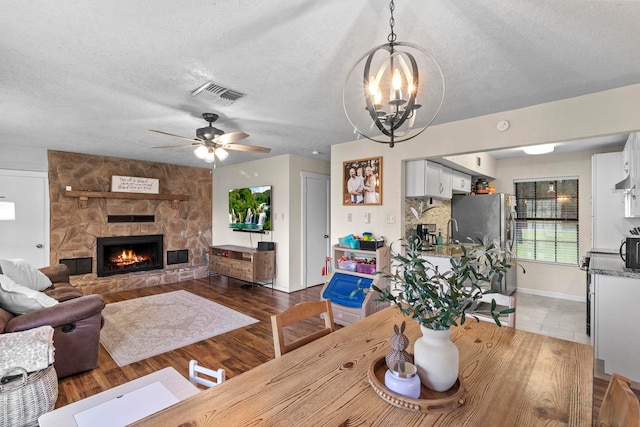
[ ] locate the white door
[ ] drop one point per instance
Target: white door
(315, 227)
(26, 237)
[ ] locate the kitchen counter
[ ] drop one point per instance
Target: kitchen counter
(446, 251)
(610, 264)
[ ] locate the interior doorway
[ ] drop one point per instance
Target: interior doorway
(316, 193)
(26, 237)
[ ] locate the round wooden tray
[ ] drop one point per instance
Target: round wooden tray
(429, 401)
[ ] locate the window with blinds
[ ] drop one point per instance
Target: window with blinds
(547, 220)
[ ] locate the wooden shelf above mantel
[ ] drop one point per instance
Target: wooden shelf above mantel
(84, 196)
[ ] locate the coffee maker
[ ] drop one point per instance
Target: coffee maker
(426, 233)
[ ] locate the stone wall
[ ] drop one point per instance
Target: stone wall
(74, 230)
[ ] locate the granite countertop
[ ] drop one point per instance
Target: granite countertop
(443, 251)
(610, 264)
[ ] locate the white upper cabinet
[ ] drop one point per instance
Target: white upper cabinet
(460, 182)
(427, 179)
(631, 168)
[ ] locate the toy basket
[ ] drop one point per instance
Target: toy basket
(24, 397)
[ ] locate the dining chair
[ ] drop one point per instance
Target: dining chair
(299, 313)
(620, 405)
(502, 302)
(195, 377)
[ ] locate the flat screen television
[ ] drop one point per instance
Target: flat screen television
(250, 208)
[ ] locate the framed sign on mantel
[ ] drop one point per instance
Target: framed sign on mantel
(134, 184)
(362, 183)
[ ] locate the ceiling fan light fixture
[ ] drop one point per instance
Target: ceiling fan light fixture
(200, 152)
(402, 86)
(221, 153)
(210, 157)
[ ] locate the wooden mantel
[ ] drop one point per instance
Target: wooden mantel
(84, 196)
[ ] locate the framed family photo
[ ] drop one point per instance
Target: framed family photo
(362, 183)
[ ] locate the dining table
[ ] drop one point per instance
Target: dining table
(509, 377)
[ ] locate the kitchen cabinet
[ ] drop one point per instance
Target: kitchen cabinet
(607, 223)
(617, 336)
(427, 179)
(460, 182)
(631, 169)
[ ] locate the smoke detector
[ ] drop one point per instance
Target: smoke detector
(218, 94)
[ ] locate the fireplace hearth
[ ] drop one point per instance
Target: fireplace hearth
(127, 254)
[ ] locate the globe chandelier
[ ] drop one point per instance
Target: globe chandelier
(394, 91)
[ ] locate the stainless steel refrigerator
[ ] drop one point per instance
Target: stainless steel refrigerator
(487, 218)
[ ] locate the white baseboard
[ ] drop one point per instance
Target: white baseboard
(538, 292)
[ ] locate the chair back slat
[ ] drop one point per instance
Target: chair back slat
(298, 313)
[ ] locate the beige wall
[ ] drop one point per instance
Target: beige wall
(603, 113)
(283, 173)
(547, 278)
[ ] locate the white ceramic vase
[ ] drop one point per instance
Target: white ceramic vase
(436, 358)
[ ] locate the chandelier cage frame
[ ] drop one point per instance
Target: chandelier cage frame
(393, 68)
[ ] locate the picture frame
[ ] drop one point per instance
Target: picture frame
(362, 182)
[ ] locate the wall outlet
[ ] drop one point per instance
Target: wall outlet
(367, 218)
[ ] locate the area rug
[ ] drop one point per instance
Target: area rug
(144, 327)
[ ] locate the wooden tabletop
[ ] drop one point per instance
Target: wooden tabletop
(512, 377)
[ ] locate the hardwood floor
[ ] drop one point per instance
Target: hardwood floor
(236, 351)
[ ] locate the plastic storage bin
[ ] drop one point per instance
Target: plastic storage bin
(350, 243)
(347, 265)
(371, 245)
(365, 268)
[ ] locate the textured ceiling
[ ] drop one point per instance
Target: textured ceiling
(93, 77)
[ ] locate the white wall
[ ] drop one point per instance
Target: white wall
(598, 114)
(23, 159)
(283, 174)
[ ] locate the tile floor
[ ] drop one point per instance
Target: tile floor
(552, 316)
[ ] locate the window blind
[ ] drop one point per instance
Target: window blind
(547, 220)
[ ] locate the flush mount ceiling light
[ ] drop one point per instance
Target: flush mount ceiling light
(535, 150)
(393, 92)
(7, 210)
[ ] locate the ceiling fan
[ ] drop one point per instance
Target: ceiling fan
(211, 142)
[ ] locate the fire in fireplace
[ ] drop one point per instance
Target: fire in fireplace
(126, 254)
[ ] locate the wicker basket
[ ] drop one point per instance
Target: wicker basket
(24, 397)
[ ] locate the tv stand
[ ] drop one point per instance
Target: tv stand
(243, 263)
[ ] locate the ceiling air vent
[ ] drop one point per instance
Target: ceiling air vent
(221, 95)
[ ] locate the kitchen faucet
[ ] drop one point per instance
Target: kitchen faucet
(450, 229)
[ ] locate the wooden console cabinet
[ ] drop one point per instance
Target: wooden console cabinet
(238, 262)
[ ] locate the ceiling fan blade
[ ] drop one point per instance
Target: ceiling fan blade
(231, 137)
(192, 145)
(176, 136)
(245, 147)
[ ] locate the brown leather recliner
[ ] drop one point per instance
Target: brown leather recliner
(76, 322)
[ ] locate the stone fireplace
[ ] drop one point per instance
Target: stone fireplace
(76, 228)
(128, 254)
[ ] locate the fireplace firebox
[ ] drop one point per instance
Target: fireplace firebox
(126, 254)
